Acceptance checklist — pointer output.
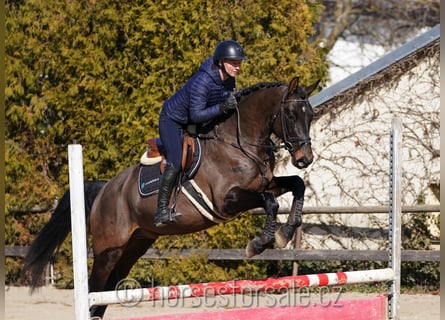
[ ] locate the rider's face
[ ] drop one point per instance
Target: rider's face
(232, 67)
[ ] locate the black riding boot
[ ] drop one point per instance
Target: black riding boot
(168, 182)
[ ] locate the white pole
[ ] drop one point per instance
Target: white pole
(395, 216)
(134, 296)
(78, 228)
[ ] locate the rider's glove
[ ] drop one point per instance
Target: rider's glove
(229, 104)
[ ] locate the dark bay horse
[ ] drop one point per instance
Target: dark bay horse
(236, 175)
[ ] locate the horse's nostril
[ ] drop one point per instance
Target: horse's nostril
(300, 164)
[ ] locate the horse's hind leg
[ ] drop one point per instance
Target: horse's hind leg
(103, 265)
(267, 237)
(112, 266)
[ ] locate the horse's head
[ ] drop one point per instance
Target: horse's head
(293, 127)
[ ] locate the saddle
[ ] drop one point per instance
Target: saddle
(153, 163)
(191, 153)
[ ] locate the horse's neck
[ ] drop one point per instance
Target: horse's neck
(252, 125)
(256, 117)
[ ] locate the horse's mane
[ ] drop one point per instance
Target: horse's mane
(256, 87)
(208, 126)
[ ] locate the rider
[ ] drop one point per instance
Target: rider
(206, 95)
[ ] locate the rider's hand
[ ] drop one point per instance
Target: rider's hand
(229, 104)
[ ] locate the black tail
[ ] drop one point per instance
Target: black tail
(54, 233)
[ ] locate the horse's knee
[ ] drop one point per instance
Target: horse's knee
(270, 203)
(298, 187)
(274, 206)
(284, 184)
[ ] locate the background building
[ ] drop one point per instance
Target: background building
(351, 141)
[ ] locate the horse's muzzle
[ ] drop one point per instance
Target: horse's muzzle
(303, 157)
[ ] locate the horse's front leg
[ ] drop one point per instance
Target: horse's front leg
(285, 232)
(267, 237)
(281, 185)
(238, 200)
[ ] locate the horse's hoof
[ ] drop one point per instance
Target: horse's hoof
(283, 235)
(253, 248)
(249, 251)
(257, 246)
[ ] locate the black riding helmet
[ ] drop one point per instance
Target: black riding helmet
(228, 49)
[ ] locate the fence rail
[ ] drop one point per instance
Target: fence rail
(295, 254)
(273, 254)
(418, 209)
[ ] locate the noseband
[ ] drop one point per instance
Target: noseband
(287, 138)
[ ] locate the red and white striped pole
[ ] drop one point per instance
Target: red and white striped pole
(269, 285)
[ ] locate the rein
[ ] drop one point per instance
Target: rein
(287, 139)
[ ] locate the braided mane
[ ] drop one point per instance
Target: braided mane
(256, 87)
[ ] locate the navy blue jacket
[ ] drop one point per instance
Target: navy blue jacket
(198, 100)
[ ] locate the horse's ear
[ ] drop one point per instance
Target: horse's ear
(293, 85)
(312, 87)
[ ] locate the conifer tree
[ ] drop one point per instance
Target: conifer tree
(97, 72)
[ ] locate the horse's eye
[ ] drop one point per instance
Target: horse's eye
(292, 117)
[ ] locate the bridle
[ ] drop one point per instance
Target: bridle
(287, 138)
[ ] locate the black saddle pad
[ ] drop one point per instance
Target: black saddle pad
(149, 179)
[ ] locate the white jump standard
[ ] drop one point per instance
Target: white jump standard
(84, 300)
